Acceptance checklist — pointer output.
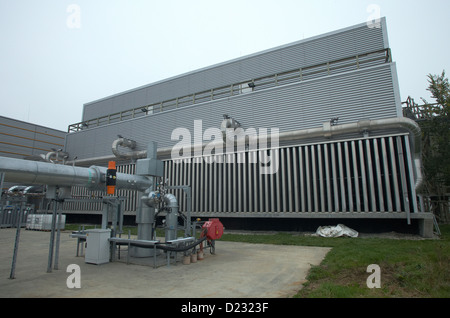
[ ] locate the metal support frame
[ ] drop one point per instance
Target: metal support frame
(113, 206)
(53, 250)
(19, 202)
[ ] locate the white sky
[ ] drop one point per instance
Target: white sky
(48, 70)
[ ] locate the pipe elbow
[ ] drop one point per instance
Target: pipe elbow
(123, 142)
(50, 156)
(170, 200)
(415, 137)
(227, 127)
(419, 180)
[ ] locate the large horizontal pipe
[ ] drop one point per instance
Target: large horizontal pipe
(327, 131)
(132, 242)
(156, 244)
(35, 172)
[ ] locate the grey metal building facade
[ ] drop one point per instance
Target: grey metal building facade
(23, 140)
(19, 139)
(332, 81)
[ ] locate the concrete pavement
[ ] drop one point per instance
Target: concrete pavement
(237, 270)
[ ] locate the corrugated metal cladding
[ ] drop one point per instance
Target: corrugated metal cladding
(366, 93)
(359, 175)
(343, 43)
(365, 175)
(20, 139)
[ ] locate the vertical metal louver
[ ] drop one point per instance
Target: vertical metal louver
(361, 175)
(365, 175)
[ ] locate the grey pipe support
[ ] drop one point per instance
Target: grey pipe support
(34, 172)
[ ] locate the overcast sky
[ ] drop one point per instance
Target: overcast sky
(57, 55)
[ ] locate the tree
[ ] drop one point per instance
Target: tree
(436, 146)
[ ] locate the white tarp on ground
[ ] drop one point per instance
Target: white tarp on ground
(336, 231)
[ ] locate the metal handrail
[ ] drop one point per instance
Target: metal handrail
(416, 112)
(260, 83)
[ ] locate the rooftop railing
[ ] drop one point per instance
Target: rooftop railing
(417, 112)
(256, 84)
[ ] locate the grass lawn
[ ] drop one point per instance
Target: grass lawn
(417, 268)
(409, 268)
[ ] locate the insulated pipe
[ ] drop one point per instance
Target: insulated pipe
(49, 155)
(155, 244)
(55, 155)
(228, 123)
(151, 199)
(171, 201)
(124, 142)
(131, 242)
(34, 172)
(327, 131)
(172, 216)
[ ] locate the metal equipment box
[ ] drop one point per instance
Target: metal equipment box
(97, 246)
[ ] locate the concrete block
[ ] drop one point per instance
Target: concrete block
(426, 227)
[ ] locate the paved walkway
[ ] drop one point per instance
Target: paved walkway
(236, 270)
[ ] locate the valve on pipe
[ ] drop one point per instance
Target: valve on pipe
(214, 229)
(111, 174)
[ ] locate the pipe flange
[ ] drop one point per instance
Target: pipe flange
(95, 178)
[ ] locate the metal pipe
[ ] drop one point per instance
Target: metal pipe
(34, 172)
(158, 244)
(172, 216)
(132, 242)
(16, 243)
(77, 235)
(171, 201)
(52, 237)
(55, 156)
(131, 144)
(327, 131)
(49, 155)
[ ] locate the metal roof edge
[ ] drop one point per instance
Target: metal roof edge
(280, 47)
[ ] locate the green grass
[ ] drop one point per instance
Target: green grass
(409, 268)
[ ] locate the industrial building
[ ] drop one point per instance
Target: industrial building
(23, 140)
(318, 125)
